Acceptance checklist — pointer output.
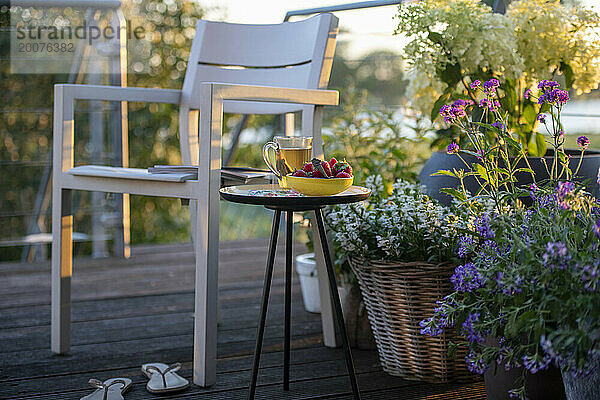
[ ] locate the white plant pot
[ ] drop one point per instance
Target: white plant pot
(306, 267)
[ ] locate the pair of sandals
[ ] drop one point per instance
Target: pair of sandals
(162, 379)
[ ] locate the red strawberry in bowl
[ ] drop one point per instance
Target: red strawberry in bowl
(316, 174)
(308, 168)
(342, 166)
(332, 162)
(300, 173)
(326, 168)
(343, 175)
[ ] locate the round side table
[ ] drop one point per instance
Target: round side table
(280, 200)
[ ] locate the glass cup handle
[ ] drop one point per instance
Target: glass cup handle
(266, 147)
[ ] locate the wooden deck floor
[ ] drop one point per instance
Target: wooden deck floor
(127, 312)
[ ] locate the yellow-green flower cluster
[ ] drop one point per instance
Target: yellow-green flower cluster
(529, 43)
(549, 33)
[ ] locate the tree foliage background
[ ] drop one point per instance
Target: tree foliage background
(26, 125)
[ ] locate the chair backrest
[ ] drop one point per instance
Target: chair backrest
(291, 54)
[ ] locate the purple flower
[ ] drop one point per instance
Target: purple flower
(541, 118)
(498, 125)
(557, 97)
(475, 363)
(429, 328)
(596, 229)
(546, 84)
(564, 193)
(482, 224)
(556, 255)
(509, 286)
(589, 276)
(527, 94)
(598, 176)
(469, 331)
(476, 83)
(491, 85)
(467, 278)
(452, 148)
(583, 142)
(463, 248)
(536, 363)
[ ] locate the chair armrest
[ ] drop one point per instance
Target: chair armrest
(229, 91)
(117, 93)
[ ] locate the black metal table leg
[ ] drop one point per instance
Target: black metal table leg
(289, 233)
(336, 303)
(264, 302)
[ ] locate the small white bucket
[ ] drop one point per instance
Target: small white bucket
(306, 267)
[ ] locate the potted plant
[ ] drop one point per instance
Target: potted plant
(372, 142)
(401, 246)
(526, 294)
(453, 44)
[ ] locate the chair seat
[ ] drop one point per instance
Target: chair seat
(99, 171)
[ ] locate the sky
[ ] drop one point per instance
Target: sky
(369, 29)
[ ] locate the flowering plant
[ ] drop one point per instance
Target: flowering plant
(530, 278)
(406, 225)
(499, 154)
(453, 43)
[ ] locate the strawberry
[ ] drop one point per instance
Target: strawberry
(327, 168)
(332, 162)
(343, 175)
(316, 174)
(342, 166)
(308, 167)
(300, 173)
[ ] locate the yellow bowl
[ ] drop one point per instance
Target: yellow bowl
(319, 186)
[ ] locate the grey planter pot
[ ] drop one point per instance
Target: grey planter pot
(441, 160)
(585, 387)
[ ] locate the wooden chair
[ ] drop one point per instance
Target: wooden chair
(250, 69)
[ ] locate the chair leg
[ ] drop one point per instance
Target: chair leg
(336, 304)
(206, 242)
(62, 269)
(264, 303)
(289, 233)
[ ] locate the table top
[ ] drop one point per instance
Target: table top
(273, 196)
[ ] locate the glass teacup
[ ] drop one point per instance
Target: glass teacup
(291, 153)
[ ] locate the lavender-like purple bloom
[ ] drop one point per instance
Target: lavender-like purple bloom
(556, 255)
(527, 94)
(469, 331)
(475, 84)
(482, 224)
(564, 193)
(589, 276)
(583, 142)
(498, 125)
(463, 248)
(596, 229)
(558, 97)
(452, 148)
(536, 363)
(541, 118)
(475, 363)
(509, 286)
(429, 328)
(467, 278)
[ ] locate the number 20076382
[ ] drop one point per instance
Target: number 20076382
(44, 47)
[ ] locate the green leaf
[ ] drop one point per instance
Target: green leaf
(452, 74)
(435, 37)
(454, 193)
(444, 172)
(439, 103)
(481, 171)
(568, 72)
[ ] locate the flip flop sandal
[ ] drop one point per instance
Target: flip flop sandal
(163, 378)
(110, 389)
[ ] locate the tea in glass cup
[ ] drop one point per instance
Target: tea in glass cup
(291, 153)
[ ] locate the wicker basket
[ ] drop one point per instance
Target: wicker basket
(398, 296)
